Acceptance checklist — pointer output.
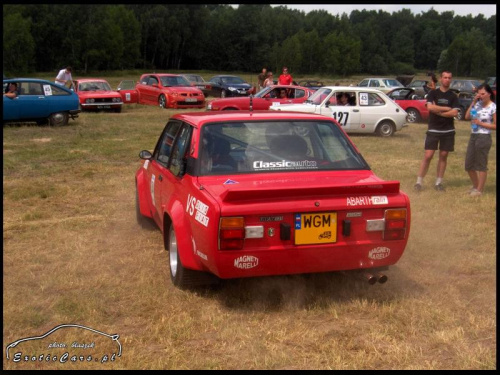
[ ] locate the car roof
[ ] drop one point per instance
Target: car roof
(90, 80)
(200, 118)
(160, 74)
(28, 80)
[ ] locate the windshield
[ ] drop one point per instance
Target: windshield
(195, 78)
(274, 146)
(94, 86)
(169, 81)
(319, 96)
(392, 83)
(232, 80)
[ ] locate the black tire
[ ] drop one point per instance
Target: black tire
(461, 114)
(162, 101)
(413, 115)
(118, 110)
(385, 129)
(58, 119)
(143, 221)
(181, 277)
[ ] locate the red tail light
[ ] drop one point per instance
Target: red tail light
(231, 233)
(395, 224)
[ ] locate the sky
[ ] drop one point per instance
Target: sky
(487, 10)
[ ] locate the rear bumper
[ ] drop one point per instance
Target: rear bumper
(322, 258)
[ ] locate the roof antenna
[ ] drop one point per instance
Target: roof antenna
(251, 103)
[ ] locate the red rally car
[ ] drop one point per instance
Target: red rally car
(243, 194)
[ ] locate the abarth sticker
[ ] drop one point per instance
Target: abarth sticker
(366, 201)
(379, 253)
(246, 262)
(153, 189)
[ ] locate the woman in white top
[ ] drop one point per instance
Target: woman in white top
(269, 80)
(476, 159)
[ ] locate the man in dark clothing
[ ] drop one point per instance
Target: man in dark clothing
(261, 78)
(443, 106)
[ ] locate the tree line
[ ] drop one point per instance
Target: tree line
(48, 37)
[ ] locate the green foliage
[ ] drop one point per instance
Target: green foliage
(47, 37)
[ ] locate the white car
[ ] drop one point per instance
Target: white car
(382, 84)
(367, 110)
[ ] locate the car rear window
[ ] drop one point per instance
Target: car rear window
(277, 146)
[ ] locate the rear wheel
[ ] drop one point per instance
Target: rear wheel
(162, 101)
(182, 277)
(58, 119)
(385, 129)
(413, 115)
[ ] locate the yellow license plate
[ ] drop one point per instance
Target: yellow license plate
(315, 228)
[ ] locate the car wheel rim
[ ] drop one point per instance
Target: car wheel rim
(386, 129)
(412, 116)
(460, 114)
(172, 249)
(58, 119)
(162, 101)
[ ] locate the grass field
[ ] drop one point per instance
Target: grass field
(73, 254)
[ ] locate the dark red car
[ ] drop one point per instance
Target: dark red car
(96, 94)
(265, 98)
(244, 194)
(411, 102)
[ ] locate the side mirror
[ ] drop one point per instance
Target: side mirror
(145, 154)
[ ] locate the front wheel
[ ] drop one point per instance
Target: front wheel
(385, 129)
(58, 119)
(162, 101)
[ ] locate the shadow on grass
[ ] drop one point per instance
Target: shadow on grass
(309, 291)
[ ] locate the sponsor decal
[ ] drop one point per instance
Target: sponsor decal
(284, 164)
(230, 182)
(127, 96)
(367, 201)
(363, 98)
(201, 209)
(271, 218)
(198, 252)
(298, 221)
(146, 164)
(152, 188)
(379, 253)
(246, 262)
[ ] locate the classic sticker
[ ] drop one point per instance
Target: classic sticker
(201, 209)
(366, 201)
(246, 262)
(379, 253)
(284, 164)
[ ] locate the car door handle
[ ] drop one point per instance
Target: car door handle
(41, 97)
(355, 110)
(160, 177)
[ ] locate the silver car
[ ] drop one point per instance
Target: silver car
(361, 110)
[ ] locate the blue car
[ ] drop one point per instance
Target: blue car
(224, 86)
(41, 101)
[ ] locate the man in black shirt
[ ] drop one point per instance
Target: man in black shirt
(443, 106)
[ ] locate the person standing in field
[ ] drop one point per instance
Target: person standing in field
(64, 76)
(261, 78)
(269, 80)
(443, 106)
(476, 158)
(285, 78)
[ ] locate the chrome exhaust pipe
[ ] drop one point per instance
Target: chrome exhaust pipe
(381, 278)
(371, 278)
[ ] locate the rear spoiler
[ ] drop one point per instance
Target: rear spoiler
(373, 188)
